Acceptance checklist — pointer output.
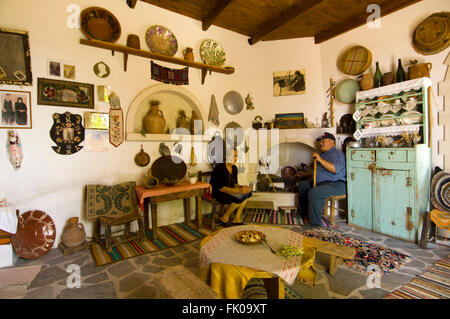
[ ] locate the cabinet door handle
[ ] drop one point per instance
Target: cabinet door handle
(352, 213)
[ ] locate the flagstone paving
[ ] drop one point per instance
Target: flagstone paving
(134, 278)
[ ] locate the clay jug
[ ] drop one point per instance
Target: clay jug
(419, 70)
(154, 122)
(73, 233)
(183, 121)
(387, 78)
(366, 82)
(188, 54)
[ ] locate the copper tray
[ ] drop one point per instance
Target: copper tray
(239, 237)
(100, 24)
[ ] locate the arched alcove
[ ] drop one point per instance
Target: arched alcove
(172, 98)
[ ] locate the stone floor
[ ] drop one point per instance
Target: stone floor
(133, 278)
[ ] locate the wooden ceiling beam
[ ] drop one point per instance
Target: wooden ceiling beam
(287, 15)
(208, 20)
(386, 8)
(132, 3)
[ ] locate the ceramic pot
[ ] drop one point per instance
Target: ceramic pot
(154, 122)
(183, 121)
(366, 82)
(188, 54)
(388, 78)
(73, 233)
(193, 180)
(419, 70)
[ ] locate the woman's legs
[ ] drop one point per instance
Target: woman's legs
(230, 209)
(240, 208)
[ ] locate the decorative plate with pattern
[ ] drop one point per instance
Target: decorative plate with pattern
(161, 40)
(212, 52)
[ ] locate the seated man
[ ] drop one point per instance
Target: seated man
(330, 180)
(226, 190)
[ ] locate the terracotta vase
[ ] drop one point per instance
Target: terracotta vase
(366, 82)
(188, 54)
(388, 78)
(73, 233)
(154, 122)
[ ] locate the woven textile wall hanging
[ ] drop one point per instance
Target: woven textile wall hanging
(170, 76)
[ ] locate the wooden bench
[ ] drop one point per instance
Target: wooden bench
(180, 283)
(330, 202)
(337, 252)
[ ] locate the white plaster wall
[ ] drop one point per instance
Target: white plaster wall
(54, 183)
(389, 43)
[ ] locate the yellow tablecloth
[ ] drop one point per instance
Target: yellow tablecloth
(229, 281)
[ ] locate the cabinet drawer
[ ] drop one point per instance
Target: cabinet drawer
(392, 156)
(361, 155)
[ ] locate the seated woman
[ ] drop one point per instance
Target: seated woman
(226, 190)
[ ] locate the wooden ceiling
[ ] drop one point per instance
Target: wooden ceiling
(266, 20)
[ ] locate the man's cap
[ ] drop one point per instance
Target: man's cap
(327, 135)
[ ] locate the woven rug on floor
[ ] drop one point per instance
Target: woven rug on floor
(434, 283)
(255, 289)
(168, 236)
(262, 216)
(366, 253)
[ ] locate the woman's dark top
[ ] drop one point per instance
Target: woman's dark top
(221, 177)
(21, 117)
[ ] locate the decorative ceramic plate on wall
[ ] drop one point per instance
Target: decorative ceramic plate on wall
(161, 40)
(212, 52)
(100, 24)
(35, 236)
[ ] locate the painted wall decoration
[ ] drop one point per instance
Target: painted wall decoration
(289, 82)
(67, 132)
(15, 57)
(14, 148)
(15, 109)
(102, 70)
(65, 93)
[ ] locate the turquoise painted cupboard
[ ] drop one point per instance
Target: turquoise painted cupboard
(388, 177)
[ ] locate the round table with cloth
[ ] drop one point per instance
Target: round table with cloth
(229, 281)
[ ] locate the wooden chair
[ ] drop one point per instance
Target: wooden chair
(109, 221)
(434, 219)
(330, 202)
(205, 177)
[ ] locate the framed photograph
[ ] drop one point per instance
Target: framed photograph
(54, 68)
(96, 120)
(15, 109)
(69, 71)
(289, 82)
(65, 93)
(15, 57)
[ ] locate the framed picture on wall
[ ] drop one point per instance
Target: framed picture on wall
(65, 93)
(289, 82)
(96, 120)
(60, 69)
(15, 58)
(15, 109)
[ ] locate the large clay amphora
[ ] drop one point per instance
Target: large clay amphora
(73, 233)
(154, 121)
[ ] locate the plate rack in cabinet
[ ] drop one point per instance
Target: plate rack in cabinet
(395, 115)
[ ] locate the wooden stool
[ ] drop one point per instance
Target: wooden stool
(283, 209)
(256, 204)
(332, 201)
(180, 283)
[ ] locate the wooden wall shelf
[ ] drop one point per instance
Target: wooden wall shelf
(150, 55)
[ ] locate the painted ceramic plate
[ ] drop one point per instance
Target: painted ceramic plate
(161, 40)
(212, 53)
(100, 24)
(411, 120)
(249, 237)
(35, 234)
(388, 120)
(233, 102)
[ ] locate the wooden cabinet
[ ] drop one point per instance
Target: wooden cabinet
(388, 188)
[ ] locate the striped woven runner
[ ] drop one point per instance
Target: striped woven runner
(434, 283)
(168, 237)
(273, 217)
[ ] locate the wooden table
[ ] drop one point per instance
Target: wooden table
(162, 193)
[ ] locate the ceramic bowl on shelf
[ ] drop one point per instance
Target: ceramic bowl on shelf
(99, 24)
(388, 120)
